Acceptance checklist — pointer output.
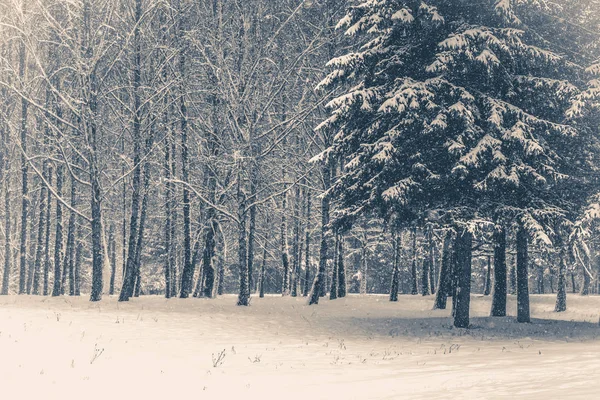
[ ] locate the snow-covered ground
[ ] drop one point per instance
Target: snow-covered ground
(279, 348)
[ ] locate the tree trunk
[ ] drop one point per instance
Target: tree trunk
(319, 285)
(58, 237)
(69, 264)
(333, 291)
(188, 273)
(113, 258)
(285, 263)
(488, 277)
(244, 292)
(78, 260)
(431, 258)
(413, 269)
(522, 276)
(445, 280)
(499, 295)
(24, 174)
(561, 296)
(396, 267)
(463, 290)
(39, 251)
(46, 283)
(513, 277)
(261, 282)
(341, 269)
(306, 285)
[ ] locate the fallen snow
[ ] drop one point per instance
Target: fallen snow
(357, 347)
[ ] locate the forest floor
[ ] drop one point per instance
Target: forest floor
(360, 347)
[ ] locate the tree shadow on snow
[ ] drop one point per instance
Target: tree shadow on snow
(483, 328)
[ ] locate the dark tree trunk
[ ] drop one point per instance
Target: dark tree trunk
(464, 242)
(58, 238)
(127, 287)
(488, 277)
(540, 278)
(69, 264)
(168, 219)
(333, 291)
(46, 283)
(113, 259)
(341, 269)
(499, 295)
(285, 262)
(306, 288)
(413, 269)
(522, 276)
(296, 245)
(24, 175)
(561, 296)
(513, 277)
(207, 257)
(188, 273)
(396, 267)
(78, 260)
(244, 292)
(39, 251)
(431, 258)
(445, 280)
(573, 287)
(261, 282)
(143, 215)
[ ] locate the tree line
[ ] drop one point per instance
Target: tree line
(303, 147)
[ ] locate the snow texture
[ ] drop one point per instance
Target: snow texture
(360, 347)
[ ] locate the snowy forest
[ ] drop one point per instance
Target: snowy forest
(332, 195)
(300, 147)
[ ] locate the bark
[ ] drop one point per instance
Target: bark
(540, 279)
(306, 288)
(320, 283)
(523, 314)
(24, 175)
(413, 269)
(285, 263)
(499, 295)
(463, 289)
(69, 264)
(58, 236)
(113, 259)
(47, 262)
(296, 245)
(488, 277)
(244, 291)
(396, 268)
(445, 280)
(188, 273)
(341, 269)
(513, 277)
(127, 287)
(431, 258)
(39, 251)
(333, 291)
(143, 215)
(261, 282)
(78, 261)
